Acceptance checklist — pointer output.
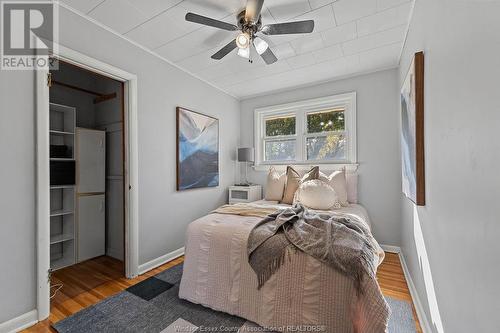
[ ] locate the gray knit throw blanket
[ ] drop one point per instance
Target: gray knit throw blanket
(345, 244)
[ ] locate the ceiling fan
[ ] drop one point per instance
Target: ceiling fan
(250, 26)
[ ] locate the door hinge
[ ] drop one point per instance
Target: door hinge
(49, 80)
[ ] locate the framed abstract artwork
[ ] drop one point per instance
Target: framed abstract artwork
(197, 150)
(412, 131)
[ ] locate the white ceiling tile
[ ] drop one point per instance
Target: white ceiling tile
(266, 70)
(385, 4)
(163, 28)
(238, 64)
(339, 34)
(201, 61)
(323, 18)
(308, 43)
(153, 7)
(83, 6)
(280, 39)
(319, 3)
(384, 20)
(121, 20)
(350, 10)
(302, 60)
(195, 42)
(214, 9)
(283, 10)
(381, 57)
(374, 41)
(283, 51)
(328, 53)
(267, 18)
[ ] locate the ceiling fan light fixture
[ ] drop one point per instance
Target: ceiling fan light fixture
(243, 40)
(244, 53)
(260, 45)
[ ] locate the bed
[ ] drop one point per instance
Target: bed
(303, 293)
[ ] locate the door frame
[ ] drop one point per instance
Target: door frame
(131, 203)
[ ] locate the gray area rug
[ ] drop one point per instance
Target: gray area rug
(153, 306)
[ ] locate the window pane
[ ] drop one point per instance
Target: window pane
(325, 121)
(282, 150)
(328, 147)
(280, 126)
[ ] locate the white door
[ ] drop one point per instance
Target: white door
(91, 160)
(91, 226)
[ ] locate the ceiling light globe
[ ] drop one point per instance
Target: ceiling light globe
(260, 45)
(243, 40)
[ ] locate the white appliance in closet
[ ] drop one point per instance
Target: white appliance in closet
(91, 188)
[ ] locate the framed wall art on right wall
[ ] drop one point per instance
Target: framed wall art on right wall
(412, 131)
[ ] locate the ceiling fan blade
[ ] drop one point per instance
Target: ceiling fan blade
(269, 56)
(225, 50)
(299, 27)
(192, 17)
(253, 9)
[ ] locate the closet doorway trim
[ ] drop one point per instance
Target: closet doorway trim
(43, 175)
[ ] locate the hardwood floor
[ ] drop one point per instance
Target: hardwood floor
(94, 280)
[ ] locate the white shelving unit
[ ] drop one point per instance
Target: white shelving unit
(62, 197)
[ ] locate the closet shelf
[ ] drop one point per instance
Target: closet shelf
(61, 263)
(60, 187)
(62, 159)
(60, 132)
(60, 212)
(61, 238)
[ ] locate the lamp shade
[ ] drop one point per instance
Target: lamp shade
(246, 155)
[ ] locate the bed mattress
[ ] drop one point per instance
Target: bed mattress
(304, 293)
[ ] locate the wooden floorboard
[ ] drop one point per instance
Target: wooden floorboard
(89, 282)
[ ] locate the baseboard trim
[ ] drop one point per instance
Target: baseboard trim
(390, 248)
(160, 260)
(422, 317)
(20, 323)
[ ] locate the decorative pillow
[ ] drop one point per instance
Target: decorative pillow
(337, 180)
(316, 194)
(351, 179)
(293, 181)
(275, 185)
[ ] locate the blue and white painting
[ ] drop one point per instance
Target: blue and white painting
(198, 150)
(408, 135)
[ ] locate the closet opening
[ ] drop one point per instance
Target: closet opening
(87, 181)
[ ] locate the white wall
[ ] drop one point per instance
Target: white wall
(451, 245)
(378, 148)
(163, 212)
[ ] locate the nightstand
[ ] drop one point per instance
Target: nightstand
(244, 193)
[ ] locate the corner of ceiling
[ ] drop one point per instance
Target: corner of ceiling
(151, 52)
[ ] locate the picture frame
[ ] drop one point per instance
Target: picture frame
(412, 131)
(197, 150)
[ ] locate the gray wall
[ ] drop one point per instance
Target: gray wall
(378, 148)
(163, 212)
(451, 245)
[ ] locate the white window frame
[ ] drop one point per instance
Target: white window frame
(300, 110)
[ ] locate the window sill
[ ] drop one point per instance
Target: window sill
(350, 167)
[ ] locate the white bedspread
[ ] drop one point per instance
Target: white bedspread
(303, 292)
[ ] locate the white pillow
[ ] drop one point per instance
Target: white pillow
(337, 180)
(316, 194)
(275, 185)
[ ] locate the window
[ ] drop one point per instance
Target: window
(319, 131)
